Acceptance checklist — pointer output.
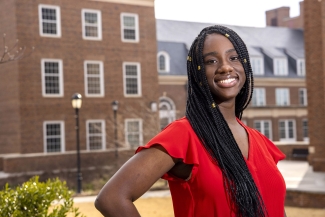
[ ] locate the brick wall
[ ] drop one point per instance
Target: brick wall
(315, 53)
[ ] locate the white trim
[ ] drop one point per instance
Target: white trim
(286, 127)
(138, 77)
(101, 78)
(62, 136)
(262, 130)
(98, 25)
(280, 96)
(280, 63)
(58, 20)
(167, 62)
(60, 75)
(257, 69)
(136, 27)
(140, 132)
(301, 70)
(103, 134)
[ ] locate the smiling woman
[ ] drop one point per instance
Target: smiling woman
(215, 165)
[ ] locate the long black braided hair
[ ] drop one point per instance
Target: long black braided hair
(212, 129)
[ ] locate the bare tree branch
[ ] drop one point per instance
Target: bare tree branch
(14, 53)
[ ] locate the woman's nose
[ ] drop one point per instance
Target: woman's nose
(225, 68)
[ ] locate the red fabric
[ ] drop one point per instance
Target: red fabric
(204, 194)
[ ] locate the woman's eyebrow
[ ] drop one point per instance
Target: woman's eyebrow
(231, 50)
(210, 53)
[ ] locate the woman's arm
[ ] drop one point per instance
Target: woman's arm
(132, 180)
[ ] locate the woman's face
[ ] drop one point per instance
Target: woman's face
(224, 71)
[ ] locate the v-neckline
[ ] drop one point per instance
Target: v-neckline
(249, 152)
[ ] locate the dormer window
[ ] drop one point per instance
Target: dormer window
(163, 62)
(257, 65)
(280, 66)
(301, 67)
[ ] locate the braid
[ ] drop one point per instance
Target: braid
(214, 132)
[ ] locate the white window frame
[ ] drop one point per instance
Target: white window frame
(301, 67)
(280, 62)
(138, 77)
(259, 98)
(62, 136)
(302, 93)
(102, 135)
(287, 139)
(257, 64)
(126, 121)
(282, 95)
(136, 27)
(167, 62)
(60, 75)
(170, 113)
(100, 76)
(98, 25)
(305, 128)
(263, 130)
(58, 21)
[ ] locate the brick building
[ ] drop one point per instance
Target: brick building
(103, 49)
(279, 105)
(314, 11)
(281, 17)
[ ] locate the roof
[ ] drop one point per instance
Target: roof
(176, 37)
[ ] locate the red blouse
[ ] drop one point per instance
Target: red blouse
(204, 194)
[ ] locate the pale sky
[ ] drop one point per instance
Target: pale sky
(231, 12)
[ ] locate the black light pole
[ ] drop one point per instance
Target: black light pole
(115, 108)
(76, 104)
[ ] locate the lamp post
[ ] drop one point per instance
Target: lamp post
(76, 104)
(115, 108)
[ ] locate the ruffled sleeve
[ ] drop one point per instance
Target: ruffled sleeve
(275, 152)
(179, 141)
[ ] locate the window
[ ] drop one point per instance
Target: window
(167, 111)
(133, 132)
(282, 96)
(301, 67)
(91, 24)
(53, 132)
(132, 79)
(96, 138)
(257, 65)
(52, 77)
(305, 130)
(129, 27)
(163, 62)
(94, 78)
(280, 66)
(287, 130)
(49, 20)
(265, 127)
(303, 96)
(259, 97)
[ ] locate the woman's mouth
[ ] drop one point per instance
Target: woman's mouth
(227, 81)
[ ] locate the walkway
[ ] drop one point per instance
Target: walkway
(298, 176)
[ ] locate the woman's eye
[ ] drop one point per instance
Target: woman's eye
(234, 58)
(210, 61)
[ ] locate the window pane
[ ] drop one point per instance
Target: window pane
(129, 34)
(91, 31)
(48, 14)
(282, 129)
(91, 18)
(162, 63)
(129, 21)
(95, 135)
(53, 137)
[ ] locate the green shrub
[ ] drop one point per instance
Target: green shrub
(37, 199)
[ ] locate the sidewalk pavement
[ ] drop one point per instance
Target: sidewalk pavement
(298, 176)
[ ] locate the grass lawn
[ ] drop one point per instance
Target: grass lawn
(162, 207)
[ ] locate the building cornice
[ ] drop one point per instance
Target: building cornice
(274, 112)
(150, 3)
(260, 82)
(172, 79)
(276, 82)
